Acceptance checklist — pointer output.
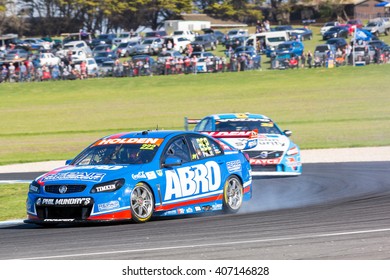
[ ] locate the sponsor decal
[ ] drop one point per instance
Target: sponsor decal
(84, 176)
(159, 172)
(170, 212)
(192, 180)
(80, 201)
(151, 175)
(233, 166)
(108, 206)
(217, 207)
(291, 162)
(189, 210)
(139, 175)
(198, 209)
(98, 167)
(180, 211)
(156, 141)
(227, 134)
(105, 188)
(271, 161)
(269, 141)
(251, 143)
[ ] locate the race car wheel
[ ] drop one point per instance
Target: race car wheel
(232, 195)
(141, 203)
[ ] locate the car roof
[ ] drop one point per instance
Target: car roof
(226, 116)
(147, 134)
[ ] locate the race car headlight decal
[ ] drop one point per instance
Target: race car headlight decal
(293, 151)
(110, 186)
(34, 187)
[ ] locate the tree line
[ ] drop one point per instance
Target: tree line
(53, 17)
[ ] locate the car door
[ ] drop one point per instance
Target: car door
(192, 171)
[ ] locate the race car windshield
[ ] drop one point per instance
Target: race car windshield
(263, 127)
(117, 154)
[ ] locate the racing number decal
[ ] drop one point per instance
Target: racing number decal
(148, 147)
(204, 146)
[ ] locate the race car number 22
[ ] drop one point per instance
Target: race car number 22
(233, 270)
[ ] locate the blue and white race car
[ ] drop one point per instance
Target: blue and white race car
(139, 175)
(270, 149)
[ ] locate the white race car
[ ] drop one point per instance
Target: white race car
(271, 151)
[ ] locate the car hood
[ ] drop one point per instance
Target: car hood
(90, 174)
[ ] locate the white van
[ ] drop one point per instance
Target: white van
(268, 39)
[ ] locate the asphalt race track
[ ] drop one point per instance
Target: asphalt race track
(332, 211)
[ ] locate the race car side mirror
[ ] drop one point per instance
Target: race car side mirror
(288, 133)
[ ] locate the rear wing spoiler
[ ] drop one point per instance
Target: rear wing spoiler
(188, 121)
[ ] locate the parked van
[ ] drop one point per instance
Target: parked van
(268, 39)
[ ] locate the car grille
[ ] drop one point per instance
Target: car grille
(74, 212)
(261, 168)
(69, 188)
(264, 154)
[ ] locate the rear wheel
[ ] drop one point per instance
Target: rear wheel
(141, 203)
(232, 195)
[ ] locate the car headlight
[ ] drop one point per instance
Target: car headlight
(293, 151)
(34, 187)
(110, 186)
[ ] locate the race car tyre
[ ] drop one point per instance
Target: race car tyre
(141, 203)
(232, 195)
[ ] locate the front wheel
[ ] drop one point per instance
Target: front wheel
(141, 203)
(232, 195)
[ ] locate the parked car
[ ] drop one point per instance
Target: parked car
(145, 65)
(328, 25)
(100, 57)
(38, 44)
(176, 43)
(301, 34)
(378, 44)
(364, 54)
(336, 32)
(150, 46)
(248, 50)
(218, 34)
(75, 45)
(190, 35)
(139, 175)
(355, 23)
(235, 41)
(48, 59)
(206, 64)
(294, 47)
(103, 39)
(286, 60)
(101, 48)
(322, 50)
(203, 54)
(164, 55)
(204, 42)
(17, 54)
(92, 66)
(125, 37)
(376, 27)
(126, 49)
(152, 34)
(270, 149)
(339, 43)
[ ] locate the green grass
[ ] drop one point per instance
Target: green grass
(339, 107)
(13, 201)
